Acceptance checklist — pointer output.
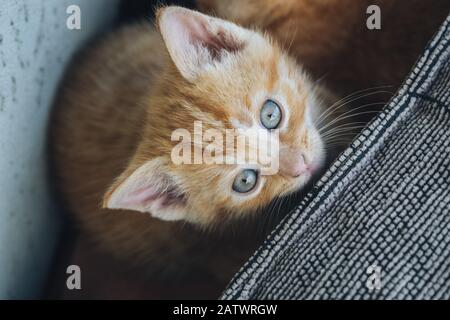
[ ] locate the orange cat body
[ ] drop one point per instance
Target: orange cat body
(120, 103)
(97, 128)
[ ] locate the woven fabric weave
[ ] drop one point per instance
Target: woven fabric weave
(377, 225)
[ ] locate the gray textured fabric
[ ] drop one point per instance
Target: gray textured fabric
(383, 206)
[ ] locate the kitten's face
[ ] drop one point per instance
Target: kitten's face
(226, 78)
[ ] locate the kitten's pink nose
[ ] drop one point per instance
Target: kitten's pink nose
(294, 165)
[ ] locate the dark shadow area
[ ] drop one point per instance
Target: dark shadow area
(132, 10)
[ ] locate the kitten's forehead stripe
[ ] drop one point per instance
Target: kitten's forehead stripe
(248, 100)
(209, 112)
(298, 112)
(273, 71)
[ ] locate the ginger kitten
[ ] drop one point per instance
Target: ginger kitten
(112, 140)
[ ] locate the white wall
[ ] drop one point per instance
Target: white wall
(35, 46)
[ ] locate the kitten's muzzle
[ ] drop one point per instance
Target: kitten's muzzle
(294, 165)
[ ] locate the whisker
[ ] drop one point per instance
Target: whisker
(338, 107)
(292, 39)
(343, 102)
(346, 131)
(349, 114)
(339, 142)
(349, 130)
(361, 123)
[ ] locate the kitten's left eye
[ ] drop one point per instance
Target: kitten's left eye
(245, 181)
(270, 115)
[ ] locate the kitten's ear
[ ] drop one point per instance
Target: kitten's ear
(196, 41)
(149, 188)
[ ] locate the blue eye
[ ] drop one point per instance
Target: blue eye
(245, 181)
(270, 115)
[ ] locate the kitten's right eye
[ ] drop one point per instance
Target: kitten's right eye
(270, 115)
(245, 181)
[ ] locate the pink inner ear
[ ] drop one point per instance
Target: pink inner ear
(147, 195)
(196, 29)
(142, 196)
